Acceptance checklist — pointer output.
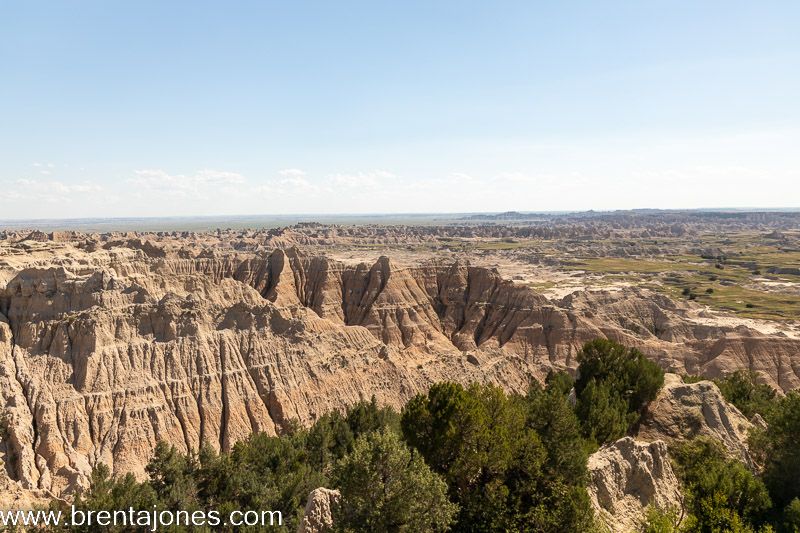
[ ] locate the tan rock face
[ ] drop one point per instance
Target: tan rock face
(318, 514)
(626, 477)
(106, 350)
(683, 411)
(14, 497)
(99, 365)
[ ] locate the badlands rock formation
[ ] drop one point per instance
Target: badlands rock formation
(318, 514)
(108, 345)
(13, 496)
(683, 411)
(626, 477)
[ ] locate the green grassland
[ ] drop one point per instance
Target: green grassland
(728, 285)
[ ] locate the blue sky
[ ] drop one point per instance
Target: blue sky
(154, 108)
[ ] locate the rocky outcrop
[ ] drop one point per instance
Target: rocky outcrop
(626, 477)
(775, 358)
(318, 514)
(683, 411)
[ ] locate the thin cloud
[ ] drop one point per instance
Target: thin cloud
(50, 191)
(200, 184)
(360, 180)
(290, 181)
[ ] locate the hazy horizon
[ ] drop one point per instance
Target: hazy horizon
(154, 109)
(267, 221)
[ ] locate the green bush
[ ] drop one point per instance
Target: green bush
(721, 493)
(108, 493)
(778, 450)
(387, 487)
(559, 381)
(791, 516)
(511, 463)
(334, 434)
(613, 386)
(661, 521)
(741, 389)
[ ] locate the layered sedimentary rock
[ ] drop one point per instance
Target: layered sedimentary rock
(107, 349)
(660, 327)
(626, 477)
(683, 411)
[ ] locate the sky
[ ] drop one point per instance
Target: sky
(186, 108)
